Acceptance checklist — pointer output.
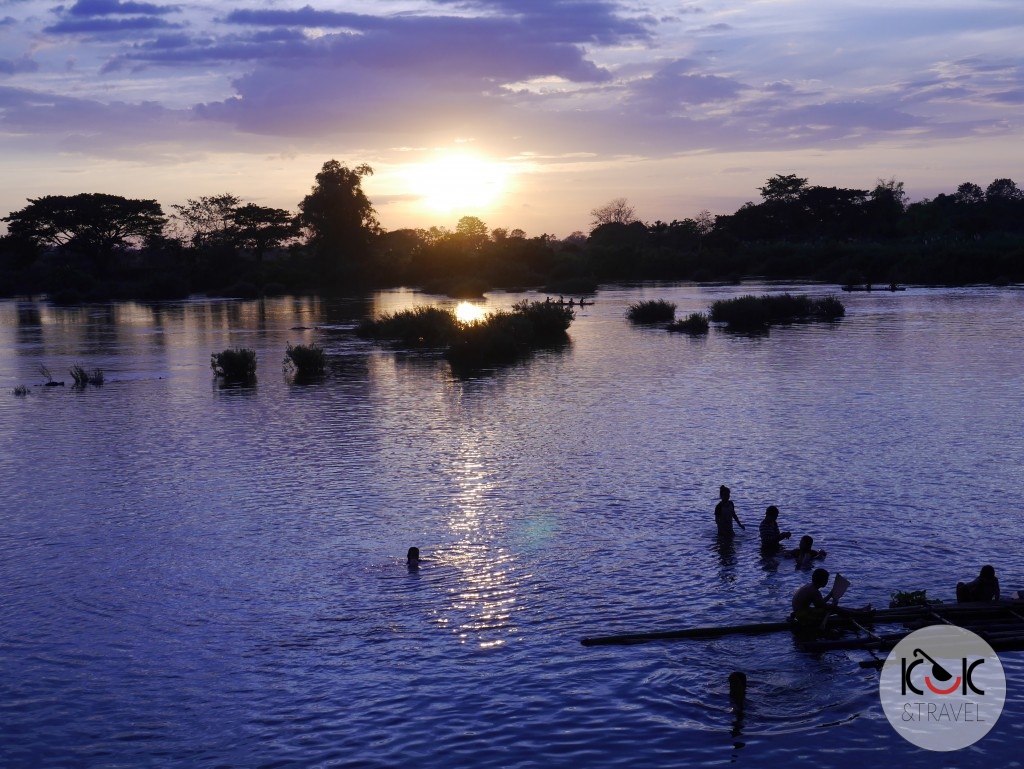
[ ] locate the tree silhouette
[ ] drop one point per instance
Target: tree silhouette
(209, 221)
(340, 220)
(783, 189)
(618, 211)
(93, 224)
(260, 228)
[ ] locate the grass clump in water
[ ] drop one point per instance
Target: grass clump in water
(652, 311)
(418, 327)
(305, 361)
(236, 365)
(500, 337)
(695, 323)
(506, 336)
(759, 312)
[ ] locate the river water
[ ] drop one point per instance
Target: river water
(198, 576)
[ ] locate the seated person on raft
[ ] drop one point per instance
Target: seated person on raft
(771, 537)
(985, 587)
(809, 608)
(805, 554)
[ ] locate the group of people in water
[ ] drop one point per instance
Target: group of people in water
(771, 536)
(810, 607)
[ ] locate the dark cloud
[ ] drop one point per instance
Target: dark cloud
(564, 22)
(17, 66)
(23, 109)
(676, 85)
(838, 120)
(118, 8)
(102, 25)
(487, 52)
(1015, 96)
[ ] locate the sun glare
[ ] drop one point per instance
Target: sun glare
(458, 183)
(467, 312)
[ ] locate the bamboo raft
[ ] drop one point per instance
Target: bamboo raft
(1000, 623)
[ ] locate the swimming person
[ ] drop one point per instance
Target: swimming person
(412, 558)
(771, 537)
(805, 554)
(725, 513)
(985, 587)
(809, 607)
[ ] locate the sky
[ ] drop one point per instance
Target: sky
(525, 113)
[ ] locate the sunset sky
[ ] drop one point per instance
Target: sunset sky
(526, 113)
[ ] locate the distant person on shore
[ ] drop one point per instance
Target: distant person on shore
(412, 558)
(725, 513)
(805, 555)
(985, 587)
(809, 607)
(771, 537)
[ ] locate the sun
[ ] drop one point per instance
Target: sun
(458, 182)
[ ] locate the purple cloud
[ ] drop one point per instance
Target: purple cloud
(119, 8)
(676, 84)
(17, 66)
(489, 52)
(100, 26)
(566, 22)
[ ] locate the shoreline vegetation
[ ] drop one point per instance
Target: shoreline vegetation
(99, 247)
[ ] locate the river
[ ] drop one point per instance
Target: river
(201, 576)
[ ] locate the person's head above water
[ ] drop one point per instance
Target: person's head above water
(771, 513)
(413, 555)
(723, 492)
(819, 578)
(806, 541)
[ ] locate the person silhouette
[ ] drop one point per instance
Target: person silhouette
(725, 513)
(771, 537)
(412, 558)
(984, 587)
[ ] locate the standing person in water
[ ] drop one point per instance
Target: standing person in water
(771, 537)
(725, 513)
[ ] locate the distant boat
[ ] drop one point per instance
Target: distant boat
(571, 303)
(869, 287)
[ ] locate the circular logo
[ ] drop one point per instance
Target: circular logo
(942, 688)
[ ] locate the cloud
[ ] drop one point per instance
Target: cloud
(119, 8)
(556, 21)
(484, 51)
(99, 26)
(677, 85)
(17, 66)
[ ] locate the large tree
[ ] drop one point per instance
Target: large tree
(93, 224)
(261, 228)
(339, 219)
(618, 211)
(209, 221)
(783, 189)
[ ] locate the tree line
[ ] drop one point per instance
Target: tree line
(101, 246)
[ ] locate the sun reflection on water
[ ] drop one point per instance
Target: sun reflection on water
(483, 601)
(467, 312)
